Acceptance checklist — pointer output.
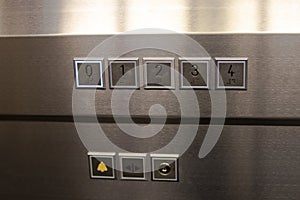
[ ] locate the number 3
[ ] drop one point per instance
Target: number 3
(195, 71)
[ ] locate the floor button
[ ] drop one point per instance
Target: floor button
(123, 73)
(231, 73)
(159, 73)
(194, 73)
(88, 73)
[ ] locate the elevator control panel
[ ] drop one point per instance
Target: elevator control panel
(159, 73)
(231, 73)
(133, 166)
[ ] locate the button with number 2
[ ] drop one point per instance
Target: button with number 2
(159, 73)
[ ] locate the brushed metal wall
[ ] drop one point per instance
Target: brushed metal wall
(257, 155)
(73, 17)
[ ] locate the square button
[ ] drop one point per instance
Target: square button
(102, 165)
(123, 73)
(132, 166)
(194, 73)
(233, 72)
(88, 73)
(159, 73)
(164, 167)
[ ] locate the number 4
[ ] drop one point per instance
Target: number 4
(230, 71)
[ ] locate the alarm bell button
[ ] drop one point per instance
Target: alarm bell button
(102, 167)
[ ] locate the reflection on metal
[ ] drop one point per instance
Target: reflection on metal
(285, 15)
(76, 17)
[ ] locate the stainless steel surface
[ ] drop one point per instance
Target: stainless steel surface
(258, 153)
(35, 17)
(37, 76)
(47, 161)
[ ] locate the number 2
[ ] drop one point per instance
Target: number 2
(159, 67)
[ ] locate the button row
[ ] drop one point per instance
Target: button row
(164, 167)
(231, 73)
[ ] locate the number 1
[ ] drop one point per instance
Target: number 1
(123, 69)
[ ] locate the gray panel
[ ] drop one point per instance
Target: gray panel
(48, 161)
(37, 75)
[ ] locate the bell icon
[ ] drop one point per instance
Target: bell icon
(102, 167)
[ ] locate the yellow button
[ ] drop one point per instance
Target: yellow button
(102, 167)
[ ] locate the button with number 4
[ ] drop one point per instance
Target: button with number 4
(231, 73)
(194, 73)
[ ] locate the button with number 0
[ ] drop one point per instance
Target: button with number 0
(88, 72)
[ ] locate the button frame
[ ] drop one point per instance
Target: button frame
(160, 60)
(78, 60)
(109, 155)
(243, 60)
(132, 156)
(164, 157)
(123, 60)
(191, 60)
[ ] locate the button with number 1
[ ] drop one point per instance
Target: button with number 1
(123, 73)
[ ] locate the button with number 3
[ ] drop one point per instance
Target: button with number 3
(194, 73)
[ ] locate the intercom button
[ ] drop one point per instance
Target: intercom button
(164, 167)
